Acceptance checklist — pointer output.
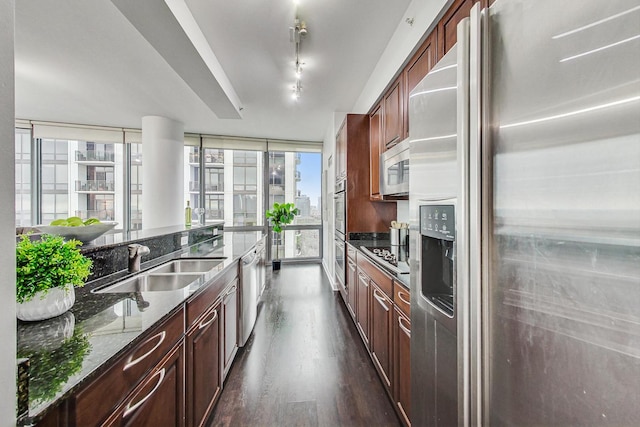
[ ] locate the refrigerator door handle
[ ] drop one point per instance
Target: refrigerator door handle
(461, 291)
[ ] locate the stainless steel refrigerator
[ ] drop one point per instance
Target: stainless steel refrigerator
(525, 296)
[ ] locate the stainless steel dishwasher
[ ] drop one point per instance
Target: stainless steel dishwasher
(249, 294)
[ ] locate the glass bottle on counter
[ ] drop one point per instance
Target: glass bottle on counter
(187, 215)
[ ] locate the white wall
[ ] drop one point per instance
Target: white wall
(7, 218)
(405, 39)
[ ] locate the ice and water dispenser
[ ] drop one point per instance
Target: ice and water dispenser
(437, 255)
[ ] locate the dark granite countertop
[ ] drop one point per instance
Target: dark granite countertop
(402, 278)
(120, 237)
(70, 350)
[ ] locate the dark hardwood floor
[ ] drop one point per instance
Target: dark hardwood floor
(304, 364)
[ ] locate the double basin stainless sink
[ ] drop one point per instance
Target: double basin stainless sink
(167, 277)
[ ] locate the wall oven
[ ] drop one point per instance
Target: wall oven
(340, 212)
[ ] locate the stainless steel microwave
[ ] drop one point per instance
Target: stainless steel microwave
(394, 170)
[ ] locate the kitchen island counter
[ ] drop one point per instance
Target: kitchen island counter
(71, 350)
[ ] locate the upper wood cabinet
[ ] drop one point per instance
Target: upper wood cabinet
(393, 113)
(376, 147)
(417, 68)
(448, 25)
(362, 214)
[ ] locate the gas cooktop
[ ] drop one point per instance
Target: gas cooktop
(395, 258)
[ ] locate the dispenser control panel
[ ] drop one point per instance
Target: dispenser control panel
(438, 221)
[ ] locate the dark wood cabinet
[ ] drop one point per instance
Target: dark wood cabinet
(203, 366)
(362, 214)
(402, 365)
(419, 65)
(381, 318)
(393, 113)
(92, 405)
(376, 147)
(159, 399)
(230, 325)
(448, 25)
(362, 307)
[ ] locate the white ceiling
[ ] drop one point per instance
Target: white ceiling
(81, 61)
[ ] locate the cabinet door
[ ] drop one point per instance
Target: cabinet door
(376, 147)
(159, 400)
(362, 311)
(230, 316)
(381, 318)
(419, 65)
(448, 25)
(352, 283)
(393, 114)
(204, 380)
(402, 365)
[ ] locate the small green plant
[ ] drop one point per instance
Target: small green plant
(48, 263)
(281, 215)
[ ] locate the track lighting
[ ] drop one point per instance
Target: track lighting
(296, 34)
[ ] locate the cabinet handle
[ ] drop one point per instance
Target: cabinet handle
(162, 335)
(232, 290)
(404, 328)
(204, 324)
(129, 409)
(382, 300)
(400, 294)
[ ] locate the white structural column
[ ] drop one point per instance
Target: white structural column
(7, 219)
(163, 199)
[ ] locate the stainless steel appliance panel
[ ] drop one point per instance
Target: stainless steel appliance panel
(437, 376)
(433, 136)
(394, 170)
(563, 295)
(249, 294)
(340, 214)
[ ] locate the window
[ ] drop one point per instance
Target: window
(296, 178)
(135, 203)
(81, 178)
(61, 172)
(23, 177)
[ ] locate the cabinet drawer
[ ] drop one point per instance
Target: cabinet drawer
(351, 252)
(402, 298)
(95, 402)
(384, 281)
(197, 306)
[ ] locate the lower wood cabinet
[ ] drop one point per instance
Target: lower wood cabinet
(230, 325)
(380, 346)
(362, 308)
(92, 405)
(159, 399)
(402, 365)
(382, 310)
(204, 367)
(172, 375)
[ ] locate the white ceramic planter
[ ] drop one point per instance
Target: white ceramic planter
(54, 303)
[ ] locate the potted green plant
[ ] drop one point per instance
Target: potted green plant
(281, 215)
(46, 272)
